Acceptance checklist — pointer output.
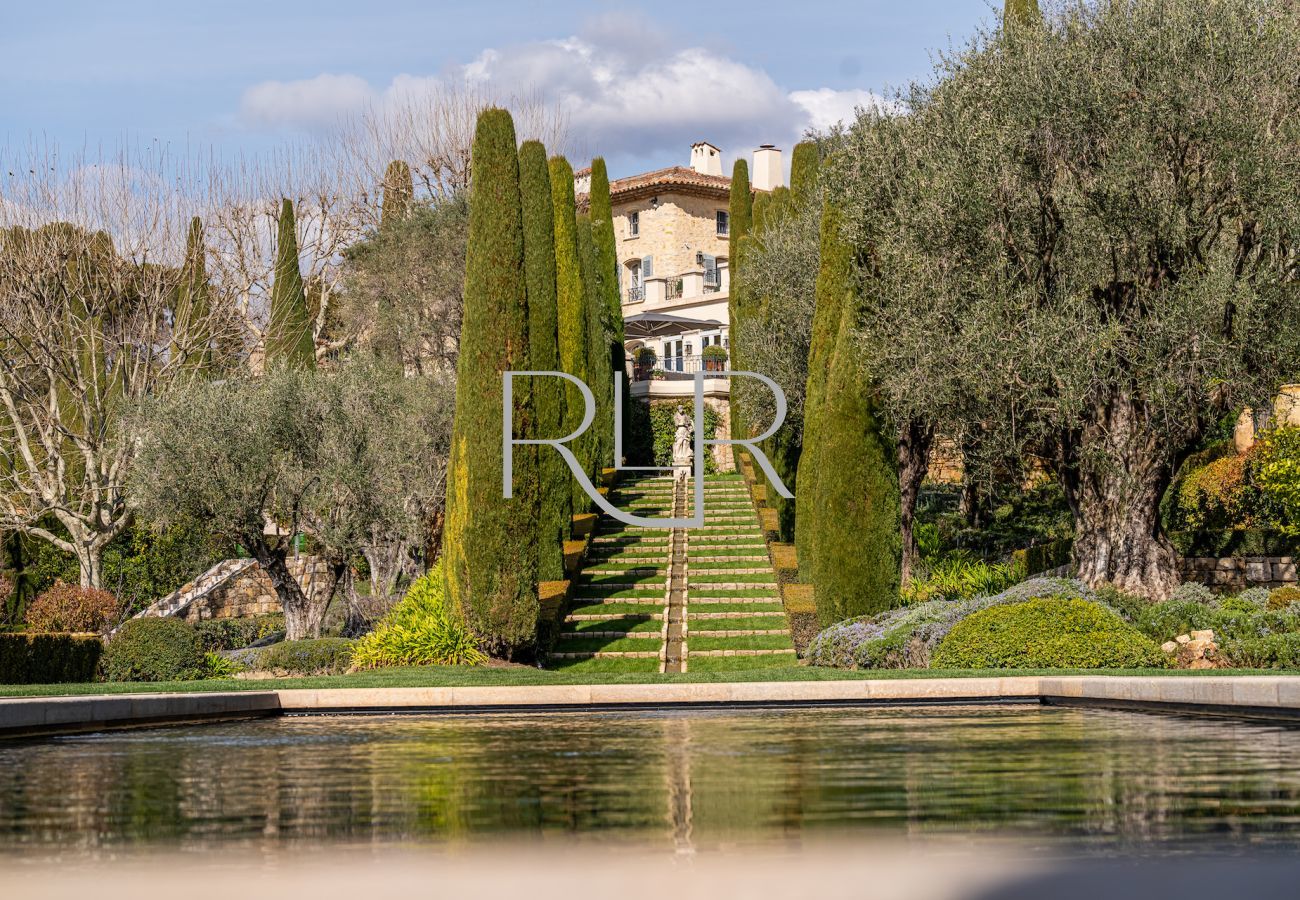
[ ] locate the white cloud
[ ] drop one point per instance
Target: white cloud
(826, 107)
(309, 103)
(626, 89)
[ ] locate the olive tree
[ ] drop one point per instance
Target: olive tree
(1082, 239)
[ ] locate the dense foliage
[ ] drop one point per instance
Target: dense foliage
(70, 607)
(290, 337)
(312, 656)
(1047, 633)
(234, 634)
(489, 542)
(154, 649)
(420, 631)
(48, 658)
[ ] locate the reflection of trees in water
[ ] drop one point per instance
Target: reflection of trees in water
(686, 779)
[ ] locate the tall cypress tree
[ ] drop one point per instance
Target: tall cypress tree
(399, 193)
(859, 548)
(785, 448)
(571, 302)
(740, 218)
(556, 504)
(490, 543)
(598, 353)
(834, 279)
(289, 339)
(1021, 12)
(602, 230)
(191, 331)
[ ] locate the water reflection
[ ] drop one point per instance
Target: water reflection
(689, 780)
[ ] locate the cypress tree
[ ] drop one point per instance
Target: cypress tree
(556, 503)
(191, 334)
(289, 340)
(1021, 12)
(490, 543)
(859, 543)
(598, 351)
(602, 229)
(833, 285)
(571, 303)
(398, 193)
(785, 448)
(740, 218)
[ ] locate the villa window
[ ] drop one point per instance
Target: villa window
(724, 223)
(633, 224)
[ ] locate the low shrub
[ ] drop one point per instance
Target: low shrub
(1129, 606)
(1193, 592)
(70, 607)
(1230, 619)
(907, 637)
(314, 656)
(233, 634)
(1047, 633)
(1273, 651)
(154, 649)
(419, 631)
(49, 658)
(1256, 597)
(962, 578)
(1283, 597)
(217, 666)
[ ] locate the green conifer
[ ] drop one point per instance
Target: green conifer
(489, 542)
(556, 511)
(602, 229)
(289, 338)
(598, 352)
(398, 193)
(191, 331)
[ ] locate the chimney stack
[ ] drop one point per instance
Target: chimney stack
(706, 158)
(769, 173)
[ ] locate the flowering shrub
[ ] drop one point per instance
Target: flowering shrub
(69, 607)
(906, 638)
(1216, 495)
(1274, 471)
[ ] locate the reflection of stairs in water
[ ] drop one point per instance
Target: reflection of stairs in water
(689, 599)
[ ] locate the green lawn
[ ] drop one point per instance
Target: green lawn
(585, 672)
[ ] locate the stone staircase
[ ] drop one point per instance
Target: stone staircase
(178, 601)
(673, 601)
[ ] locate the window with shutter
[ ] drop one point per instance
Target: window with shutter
(710, 271)
(647, 267)
(724, 223)
(633, 224)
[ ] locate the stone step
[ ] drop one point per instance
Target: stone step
(748, 614)
(761, 570)
(610, 617)
(789, 652)
(639, 635)
(649, 602)
(608, 654)
(757, 598)
(730, 634)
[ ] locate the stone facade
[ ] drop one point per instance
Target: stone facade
(248, 592)
(1239, 573)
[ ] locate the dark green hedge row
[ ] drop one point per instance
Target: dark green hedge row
(48, 658)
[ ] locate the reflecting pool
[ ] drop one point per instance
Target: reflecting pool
(1109, 781)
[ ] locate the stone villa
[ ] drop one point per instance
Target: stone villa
(672, 229)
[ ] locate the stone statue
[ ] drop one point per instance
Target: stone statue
(683, 451)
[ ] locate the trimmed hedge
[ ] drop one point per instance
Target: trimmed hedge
(155, 649)
(1047, 633)
(313, 656)
(235, 634)
(49, 658)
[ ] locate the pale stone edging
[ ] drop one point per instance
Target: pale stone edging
(1277, 695)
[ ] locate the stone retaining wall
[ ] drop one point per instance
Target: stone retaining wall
(250, 593)
(1239, 573)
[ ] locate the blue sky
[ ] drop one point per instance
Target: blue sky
(638, 81)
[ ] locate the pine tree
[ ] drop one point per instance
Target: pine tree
(858, 555)
(490, 543)
(833, 285)
(598, 354)
(556, 504)
(398, 193)
(289, 339)
(1021, 12)
(602, 229)
(191, 331)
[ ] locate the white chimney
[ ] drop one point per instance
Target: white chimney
(706, 158)
(769, 173)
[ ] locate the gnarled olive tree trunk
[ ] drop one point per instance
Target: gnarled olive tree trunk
(1115, 497)
(302, 614)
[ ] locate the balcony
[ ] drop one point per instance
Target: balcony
(679, 368)
(635, 294)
